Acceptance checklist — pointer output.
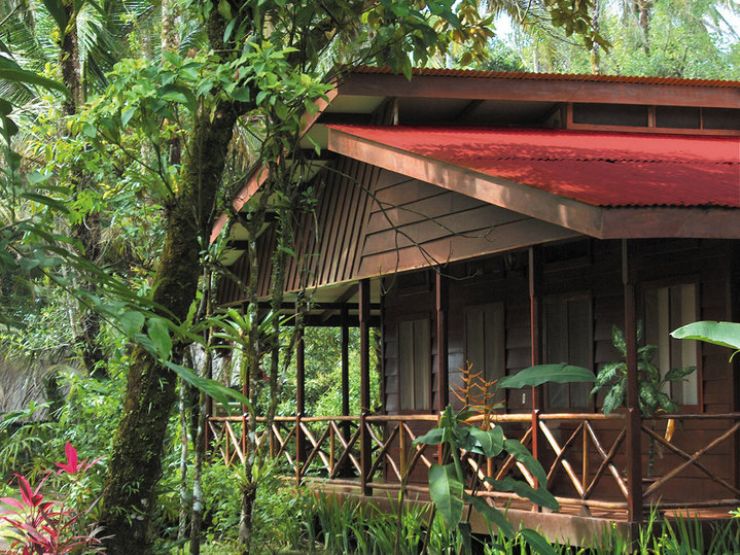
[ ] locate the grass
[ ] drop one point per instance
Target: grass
(348, 527)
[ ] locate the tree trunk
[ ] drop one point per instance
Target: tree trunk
(185, 497)
(135, 464)
(196, 519)
(86, 232)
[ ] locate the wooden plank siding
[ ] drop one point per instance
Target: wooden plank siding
(596, 273)
(370, 222)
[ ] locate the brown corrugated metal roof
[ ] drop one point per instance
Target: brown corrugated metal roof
(583, 77)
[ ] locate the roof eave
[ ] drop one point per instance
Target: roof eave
(594, 221)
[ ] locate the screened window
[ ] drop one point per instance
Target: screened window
(415, 356)
(484, 341)
(667, 308)
(568, 337)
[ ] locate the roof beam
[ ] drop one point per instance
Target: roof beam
(594, 221)
(660, 221)
(530, 201)
(538, 89)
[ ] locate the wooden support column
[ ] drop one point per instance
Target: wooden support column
(535, 338)
(535, 326)
(634, 446)
(440, 320)
(300, 407)
(364, 317)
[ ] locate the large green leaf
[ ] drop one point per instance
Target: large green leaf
(446, 491)
(492, 515)
(547, 373)
(537, 543)
(212, 388)
(725, 334)
(11, 71)
(676, 374)
(487, 442)
(159, 335)
(435, 436)
(522, 454)
(539, 496)
(614, 397)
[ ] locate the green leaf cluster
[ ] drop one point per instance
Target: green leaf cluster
(613, 378)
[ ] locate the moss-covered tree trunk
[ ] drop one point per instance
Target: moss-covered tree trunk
(135, 465)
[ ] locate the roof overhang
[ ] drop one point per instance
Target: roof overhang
(362, 91)
(594, 221)
(493, 85)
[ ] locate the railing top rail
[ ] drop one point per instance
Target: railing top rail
(494, 418)
(703, 416)
(581, 417)
(329, 418)
(401, 418)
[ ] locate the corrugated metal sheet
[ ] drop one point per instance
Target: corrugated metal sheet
(521, 75)
(599, 168)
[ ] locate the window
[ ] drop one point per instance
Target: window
(611, 114)
(568, 337)
(415, 369)
(484, 341)
(667, 308)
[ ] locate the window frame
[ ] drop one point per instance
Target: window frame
(673, 281)
(587, 295)
(411, 317)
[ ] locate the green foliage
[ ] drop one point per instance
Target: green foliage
(546, 373)
(446, 481)
(724, 334)
(613, 378)
(688, 38)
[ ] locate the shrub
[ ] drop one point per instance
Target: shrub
(35, 524)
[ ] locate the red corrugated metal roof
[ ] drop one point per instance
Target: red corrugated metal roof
(597, 168)
(671, 81)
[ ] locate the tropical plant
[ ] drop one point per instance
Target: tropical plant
(652, 397)
(38, 525)
(447, 481)
(724, 334)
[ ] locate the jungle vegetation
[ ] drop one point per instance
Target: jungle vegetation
(127, 126)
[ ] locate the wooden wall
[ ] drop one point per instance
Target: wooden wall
(594, 267)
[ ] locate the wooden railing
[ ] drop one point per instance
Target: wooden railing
(583, 455)
(696, 439)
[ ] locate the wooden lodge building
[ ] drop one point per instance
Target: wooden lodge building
(506, 220)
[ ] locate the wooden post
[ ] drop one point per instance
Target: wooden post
(440, 320)
(634, 446)
(402, 452)
(440, 312)
(535, 321)
(300, 408)
(364, 317)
